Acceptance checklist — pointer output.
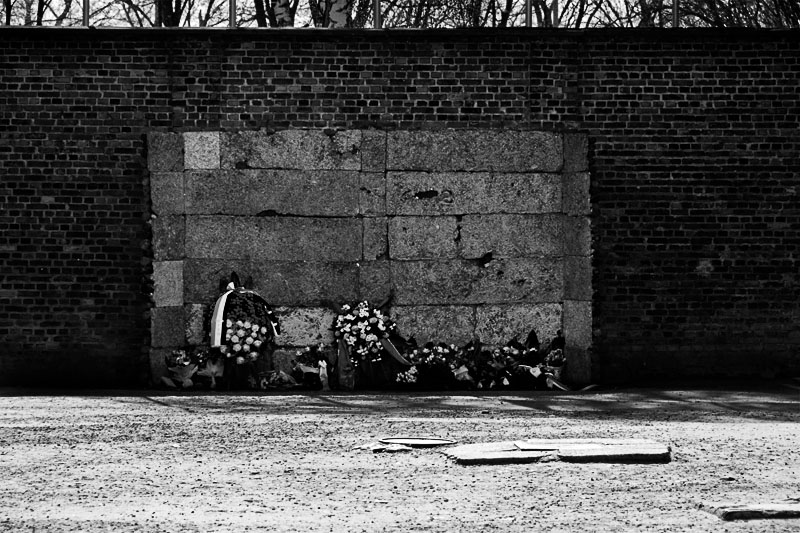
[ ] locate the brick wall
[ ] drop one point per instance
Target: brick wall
(693, 149)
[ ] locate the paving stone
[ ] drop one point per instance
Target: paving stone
(494, 453)
(279, 282)
(293, 149)
(497, 324)
(454, 150)
(164, 152)
(452, 324)
(273, 238)
(305, 326)
(422, 238)
(168, 283)
(201, 150)
(169, 235)
(456, 193)
(511, 235)
(567, 450)
(273, 192)
(474, 282)
(167, 193)
(789, 508)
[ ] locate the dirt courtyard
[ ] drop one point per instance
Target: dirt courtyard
(124, 461)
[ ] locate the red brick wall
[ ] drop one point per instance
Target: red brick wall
(694, 152)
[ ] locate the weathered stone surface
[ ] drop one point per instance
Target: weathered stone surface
(468, 282)
(201, 150)
(450, 323)
(169, 234)
(164, 152)
(511, 235)
(789, 508)
(497, 324)
(167, 193)
(576, 152)
(194, 315)
(577, 326)
(568, 450)
(284, 192)
(168, 283)
(577, 236)
(305, 326)
(456, 193)
(167, 327)
(299, 149)
(158, 364)
(373, 151)
(279, 282)
(422, 238)
(502, 151)
(274, 238)
(374, 281)
(577, 278)
(375, 240)
(493, 453)
(372, 197)
(576, 199)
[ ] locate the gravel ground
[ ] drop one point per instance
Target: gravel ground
(122, 461)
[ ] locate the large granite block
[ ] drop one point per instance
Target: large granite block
(292, 149)
(167, 193)
(422, 238)
(164, 152)
(531, 280)
(577, 235)
(452, 324)
(453, 150)
(271, 192)
(375, 240)
(169, 234)
(497, 324)
(578, 277)
(374, 281)
(457, 193)
(576, 198)
(372, 193)
(201, 150)
(511, 235)
(373, 151)
(274, 238)
(167, 329)
(578, 340)
(576, 152)
(305, 326)
(194, 320)
(168, 283)
(279, 282)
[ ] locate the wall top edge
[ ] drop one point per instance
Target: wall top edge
(742, 35)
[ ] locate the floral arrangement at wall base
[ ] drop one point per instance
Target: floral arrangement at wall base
(368, 353)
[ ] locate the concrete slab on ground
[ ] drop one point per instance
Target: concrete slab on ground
(750, 511)
(603, 450)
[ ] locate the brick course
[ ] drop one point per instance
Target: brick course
(692, 143)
